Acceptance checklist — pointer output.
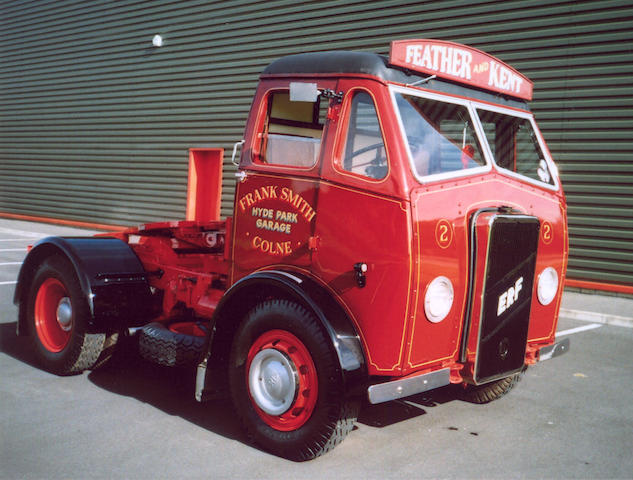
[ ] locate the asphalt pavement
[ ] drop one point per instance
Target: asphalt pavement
(571, 417)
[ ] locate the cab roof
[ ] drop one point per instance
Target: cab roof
(341, 63)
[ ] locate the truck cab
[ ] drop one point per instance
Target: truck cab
(398, 226)
(445, 194)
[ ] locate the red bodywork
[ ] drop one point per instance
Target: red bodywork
(322, 220)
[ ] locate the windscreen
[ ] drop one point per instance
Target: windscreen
(440, 135)
(514, 145)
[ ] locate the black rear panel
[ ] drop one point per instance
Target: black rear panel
(507, 298)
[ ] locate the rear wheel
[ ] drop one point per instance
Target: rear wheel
(285, 382)
(57, 316)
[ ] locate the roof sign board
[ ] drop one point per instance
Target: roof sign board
(461, 64)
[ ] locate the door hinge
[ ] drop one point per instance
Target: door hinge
(328, 93)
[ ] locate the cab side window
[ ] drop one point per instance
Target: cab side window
(292, 132)
(364, 152)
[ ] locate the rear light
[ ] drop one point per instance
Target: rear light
(547, 286)
(438, 299)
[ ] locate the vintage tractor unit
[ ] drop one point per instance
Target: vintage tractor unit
(398, 226)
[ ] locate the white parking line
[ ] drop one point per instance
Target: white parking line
(591, 326)
(15, 239)
(23, 249)
(9, 283)
(10, 263)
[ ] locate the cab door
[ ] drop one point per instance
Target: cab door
(363, 219)
(275, 201)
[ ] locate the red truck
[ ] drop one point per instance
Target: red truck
(399, 226)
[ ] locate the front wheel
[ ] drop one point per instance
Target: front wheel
(285, 382)
(489, 392)
(57, 316)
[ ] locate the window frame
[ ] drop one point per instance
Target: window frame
(262, 130)
(553, 169)
(345, 116)
(472, 106)
(424, 179)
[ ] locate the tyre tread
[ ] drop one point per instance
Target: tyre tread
(159, 345)
(489, 392)
(87, 353)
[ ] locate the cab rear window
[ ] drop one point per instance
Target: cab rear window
(292, 131)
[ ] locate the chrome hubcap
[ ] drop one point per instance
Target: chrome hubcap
(273, 381)
(65, 314)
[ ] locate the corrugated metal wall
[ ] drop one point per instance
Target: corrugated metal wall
(96, 123)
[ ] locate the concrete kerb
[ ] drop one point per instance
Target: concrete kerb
(597, 318)
(596, 308)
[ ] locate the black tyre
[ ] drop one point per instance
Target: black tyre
(158, 344)
(111, 345)
(285, 383)
(57, 316)
(490, 391)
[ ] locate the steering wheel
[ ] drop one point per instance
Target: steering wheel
(373, 146)
(376, 167)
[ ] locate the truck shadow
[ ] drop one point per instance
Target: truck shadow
(172, 390)
(396, 411)
(127, 374)
(14, 346)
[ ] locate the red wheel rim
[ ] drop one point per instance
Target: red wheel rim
(283, 354)
(53, 315)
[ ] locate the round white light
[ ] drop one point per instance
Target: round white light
(547, 286)
(438, 299)
(157, 41)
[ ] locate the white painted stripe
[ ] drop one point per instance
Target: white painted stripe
(15, 239)
(10, 263)
(584, 328)
(9, 283)
(13, 249)
(22, 233)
